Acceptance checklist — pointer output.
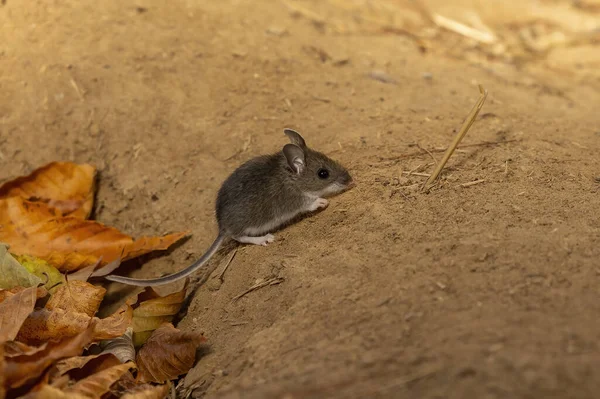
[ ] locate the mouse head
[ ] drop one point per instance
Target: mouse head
(314, 172)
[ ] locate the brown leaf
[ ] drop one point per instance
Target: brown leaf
(77, 297)
(66, 186)
(147, 391)
(14, 311)
(99, 383)
(69, 243)
(45, 324)
(82, 366)
(16, 348)
(21, 369)
(154, 311)
(168, 353)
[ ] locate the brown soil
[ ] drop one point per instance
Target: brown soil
(486, 291)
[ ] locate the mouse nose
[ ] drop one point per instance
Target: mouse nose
(347, 180)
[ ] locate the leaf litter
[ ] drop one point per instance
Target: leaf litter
(54, 343)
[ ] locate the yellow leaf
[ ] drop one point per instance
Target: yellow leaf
(66, 186)
(43, 270)
(154, 311)
(67, 242)
(12, 273)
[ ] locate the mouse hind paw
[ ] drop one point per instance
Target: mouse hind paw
(262, 240)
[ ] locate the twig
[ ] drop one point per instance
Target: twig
(419, 167)
(461, 133)
(262, 284)
(471, 183)
(227, 265)
(417, 174)
(427, 151)
(74, 84)
(462, 29)
(438, 149)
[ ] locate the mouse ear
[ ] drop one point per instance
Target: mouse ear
(295, 157)
(295, 137)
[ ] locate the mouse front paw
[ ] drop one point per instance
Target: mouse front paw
(319, 203)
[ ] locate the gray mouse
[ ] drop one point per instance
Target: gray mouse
(263, 195)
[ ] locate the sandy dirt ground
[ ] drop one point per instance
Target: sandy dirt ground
(485, 291)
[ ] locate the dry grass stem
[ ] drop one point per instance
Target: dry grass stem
(262, 284)
(457, 139)
(227, 264)
(464, 30)
(472, 183)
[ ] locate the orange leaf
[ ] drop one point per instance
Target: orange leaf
(99, 383)
(21, 369)
(168, 353)
(153, 312)
(69, 243)
(77, 297)
(14, 311)
(67, 186)
(44, 324)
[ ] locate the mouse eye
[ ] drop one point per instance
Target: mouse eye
(323, 173)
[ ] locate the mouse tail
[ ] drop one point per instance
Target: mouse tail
(175, 276)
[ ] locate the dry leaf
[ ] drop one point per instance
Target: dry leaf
(99, 383)
(5, 294)
(21, 369)
(2, 378)
(168, 353)
(77, 297)
(14, 311)
(67, 242)
(45, 324)
(147, 391)
(154, 311)
(67, 186)
(116, 324)
(49, 392)
(16, 348)
(12, 273)
(79, 367)
(94, 271)
(42, 269)
(121, 347)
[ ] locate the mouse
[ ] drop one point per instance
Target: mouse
(265, 194)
